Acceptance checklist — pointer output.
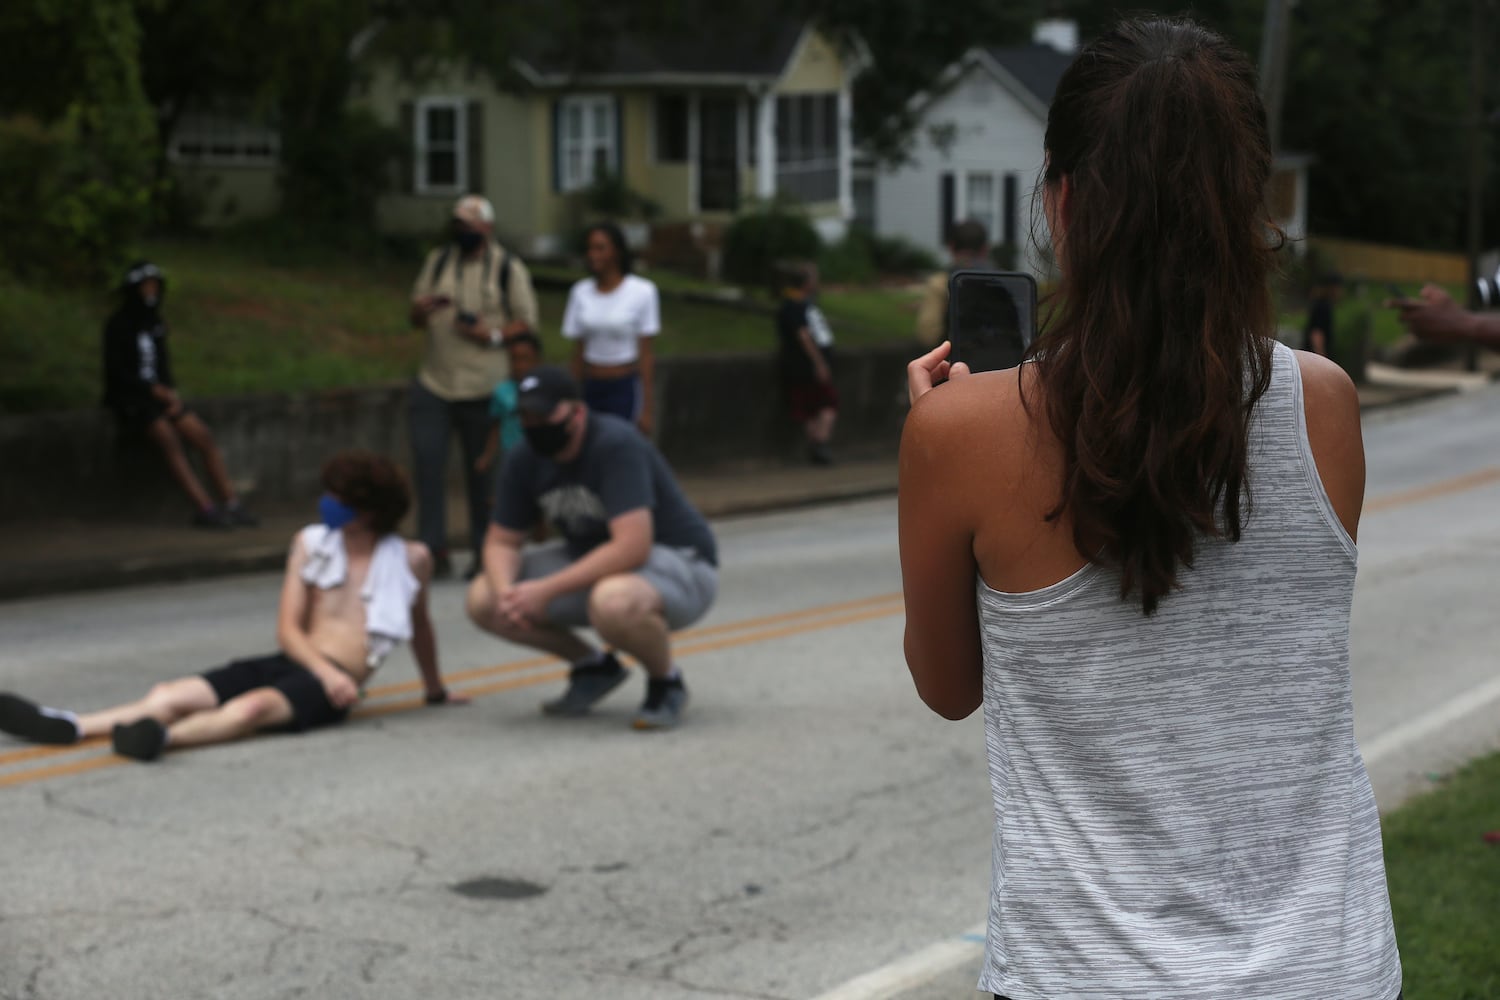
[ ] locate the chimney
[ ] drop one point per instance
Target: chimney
(1058, 32)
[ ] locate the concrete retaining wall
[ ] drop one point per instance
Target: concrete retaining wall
(712, 413)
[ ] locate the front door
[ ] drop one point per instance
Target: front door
(718, 154)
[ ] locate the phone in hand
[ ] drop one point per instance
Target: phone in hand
(441, 301)
(1398, 298)
(991, 318)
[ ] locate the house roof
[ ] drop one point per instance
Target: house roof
(1037, 67)
(756, 54)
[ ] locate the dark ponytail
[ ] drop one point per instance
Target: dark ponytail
(1159, 346)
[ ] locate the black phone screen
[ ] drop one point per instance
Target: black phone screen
(991, 318)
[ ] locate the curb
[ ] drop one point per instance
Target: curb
(103, 573)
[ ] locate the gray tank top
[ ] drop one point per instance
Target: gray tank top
(1180, 807)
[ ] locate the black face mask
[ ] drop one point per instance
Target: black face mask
(468, 241)
(548, 439)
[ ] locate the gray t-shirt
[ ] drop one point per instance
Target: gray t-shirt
(617, 471)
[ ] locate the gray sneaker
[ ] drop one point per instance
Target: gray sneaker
(587, 686)
(663, 706)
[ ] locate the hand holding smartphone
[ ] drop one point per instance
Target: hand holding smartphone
(991, 318)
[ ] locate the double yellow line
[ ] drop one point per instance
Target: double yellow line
(91, 755)
(388, 699)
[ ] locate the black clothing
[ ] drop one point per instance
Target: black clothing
(310, 704)
(1319, 317)
(136, 357)
(791, 318)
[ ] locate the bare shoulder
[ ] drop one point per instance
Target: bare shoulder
(1325, 384)
(420, 560)
(972, 427)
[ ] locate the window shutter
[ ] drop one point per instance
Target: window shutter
(556, 146)
(474, 134)
(618, 166)
(408, 180)
(946, 200)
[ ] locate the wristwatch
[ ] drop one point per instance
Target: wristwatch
(496, 337)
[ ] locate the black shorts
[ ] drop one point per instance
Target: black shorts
(135, 417)
(310, 705)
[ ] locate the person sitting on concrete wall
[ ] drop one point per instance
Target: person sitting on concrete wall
(140, 389)
(353, 590)
(636, 560)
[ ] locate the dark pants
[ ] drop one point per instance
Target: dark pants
(620, 396)
(433, 421)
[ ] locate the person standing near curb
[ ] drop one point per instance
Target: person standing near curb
(469, 296)
(968, 249)
(805, 342)
(613, 315)
(1136, 551)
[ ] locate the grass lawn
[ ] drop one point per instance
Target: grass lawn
(1445, 886)
(240, 325)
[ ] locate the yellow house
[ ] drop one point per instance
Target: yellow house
(697, 130)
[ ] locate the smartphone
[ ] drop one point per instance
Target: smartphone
(991, 318)
(441, 301)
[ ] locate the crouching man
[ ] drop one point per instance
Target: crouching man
(353, 590)
(636, 561)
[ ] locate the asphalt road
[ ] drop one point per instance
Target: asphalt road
(811, 821)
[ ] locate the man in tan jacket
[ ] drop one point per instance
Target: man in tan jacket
(968, 248)
(470, 295)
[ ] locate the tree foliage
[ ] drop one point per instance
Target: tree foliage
(76, 138)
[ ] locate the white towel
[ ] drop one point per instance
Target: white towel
(389, 590)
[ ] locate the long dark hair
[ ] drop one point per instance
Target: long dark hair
(1158, 347)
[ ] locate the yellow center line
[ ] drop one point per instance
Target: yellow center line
(761, 629)
(889, 605)
(1446, 487)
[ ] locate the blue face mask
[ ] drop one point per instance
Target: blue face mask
(335, 512)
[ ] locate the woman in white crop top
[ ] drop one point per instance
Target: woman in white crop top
(612, 316)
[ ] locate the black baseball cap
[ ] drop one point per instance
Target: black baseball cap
(541, 391)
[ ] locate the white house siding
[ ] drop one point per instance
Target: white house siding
(992, 132)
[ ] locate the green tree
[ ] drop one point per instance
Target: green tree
(77, 139)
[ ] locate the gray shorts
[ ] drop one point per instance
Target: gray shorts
(686, 582)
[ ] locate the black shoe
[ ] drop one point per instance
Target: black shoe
(30, 721)
(818, 454)
(475, 568)
(143, 739)
(662, 709)
(212, 519)
(240, 517)
(587, 686)
(442, 566)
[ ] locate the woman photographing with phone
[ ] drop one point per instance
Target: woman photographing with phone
(613, 315)
(1136, 551)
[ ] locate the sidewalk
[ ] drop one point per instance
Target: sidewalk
(53, 556)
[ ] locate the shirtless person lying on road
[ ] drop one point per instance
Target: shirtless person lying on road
(353, 590)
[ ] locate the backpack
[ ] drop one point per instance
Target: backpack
(442, 262)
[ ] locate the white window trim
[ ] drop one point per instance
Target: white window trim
(460, 142)
(997, 186)
(586, 103)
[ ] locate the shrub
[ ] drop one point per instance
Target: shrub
(897, 255)
(849, 261)
(333, 174)
(757, 240)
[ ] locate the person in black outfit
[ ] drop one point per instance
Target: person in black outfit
(1319, 330)
(805, 343)
(139, 388)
